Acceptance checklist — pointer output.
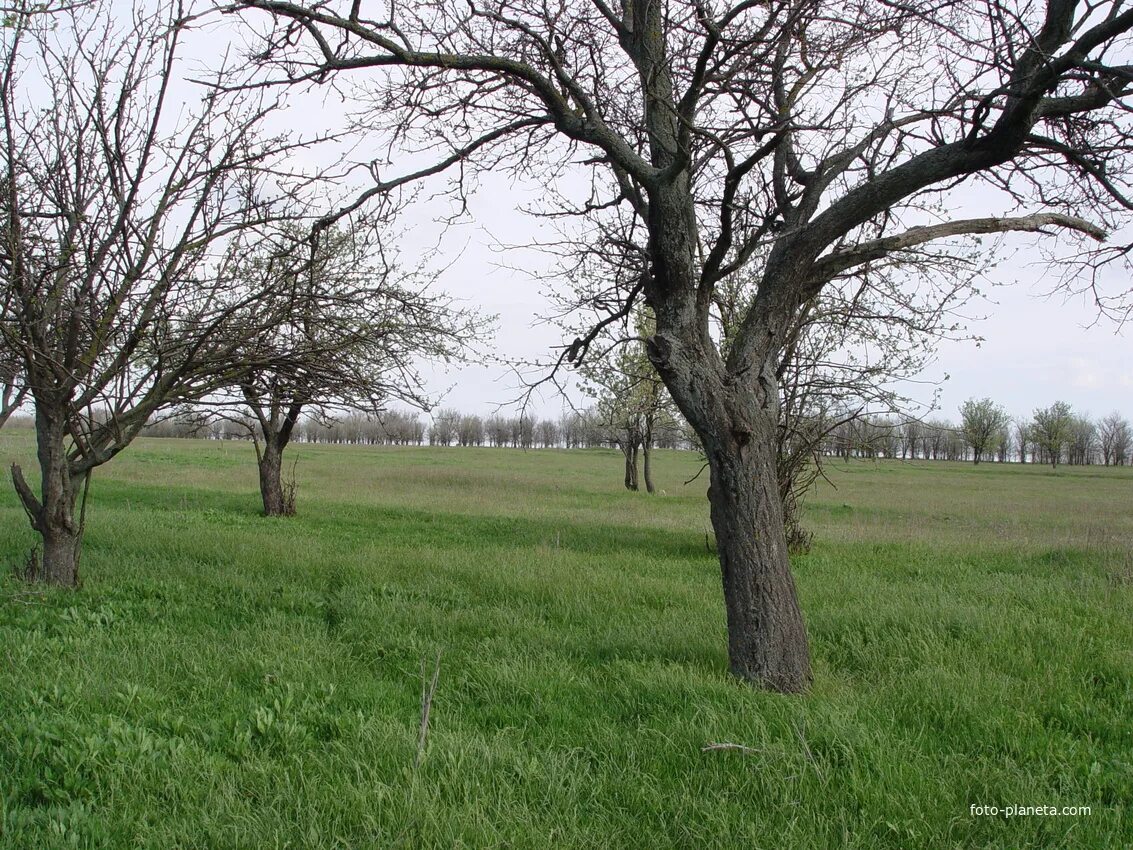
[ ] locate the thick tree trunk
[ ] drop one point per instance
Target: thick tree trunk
(52, 514)
(276, 502)
(737, 426)
(767, 640)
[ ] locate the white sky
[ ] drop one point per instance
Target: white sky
(1035, 350)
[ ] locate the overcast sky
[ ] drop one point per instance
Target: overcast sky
(1036, 349)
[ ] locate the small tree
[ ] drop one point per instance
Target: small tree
(981, 425)
(1114, 438)
(1050, 430)
(353, 327)
(632, 402)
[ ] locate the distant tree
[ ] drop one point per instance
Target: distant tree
(1001, 442)
(548, 433)
(444, 428)
(1081, 445)
(910, 438)
(524, 432)
(182, 424)
(632, 401)
(1051, 429)
(354, 327)
(1023, 439)
(1114, 437)
(981, 422)
(498, 430)
(470, 430)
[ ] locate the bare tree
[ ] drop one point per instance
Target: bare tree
(1023, 438)
(1050, 431)
(981, 422)
(814, 139)
(118, 199)
(354, 326)
(1081, 445)
(632, 402)
(548, 431)
(443, 431)
(1114, 439)
(470, 430)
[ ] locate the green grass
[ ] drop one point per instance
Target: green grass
(223, 680)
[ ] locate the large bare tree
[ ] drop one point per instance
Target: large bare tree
(118, 196)
(805, 136)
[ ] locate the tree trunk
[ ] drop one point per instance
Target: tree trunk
(630, 452)
(271, 479)
(737, 425)
(647, 468)
(52, 514)
(767, 640)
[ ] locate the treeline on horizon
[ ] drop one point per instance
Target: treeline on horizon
(1077, 439)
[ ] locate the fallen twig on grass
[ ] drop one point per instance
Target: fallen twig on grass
(428, 689)
(724, 745)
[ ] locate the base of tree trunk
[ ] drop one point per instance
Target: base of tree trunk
(767, 640)
(56, 563)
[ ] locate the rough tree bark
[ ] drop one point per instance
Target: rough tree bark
(629, 450)
(276, 426)
(767, 639)
(270, 461)
(53, 516)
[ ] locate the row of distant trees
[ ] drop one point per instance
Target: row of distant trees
(586, 429)
(985, 432)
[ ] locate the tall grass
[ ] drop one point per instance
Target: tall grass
(226, 680)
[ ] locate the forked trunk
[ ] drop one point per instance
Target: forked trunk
(767, 641)
(52, 514)
(630, 453)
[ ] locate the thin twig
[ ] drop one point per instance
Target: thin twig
(428, 689)
(818, 771)
(724, 745)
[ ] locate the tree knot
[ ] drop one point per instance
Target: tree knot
(659, 350)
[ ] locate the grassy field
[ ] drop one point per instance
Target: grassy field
(224, 680)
